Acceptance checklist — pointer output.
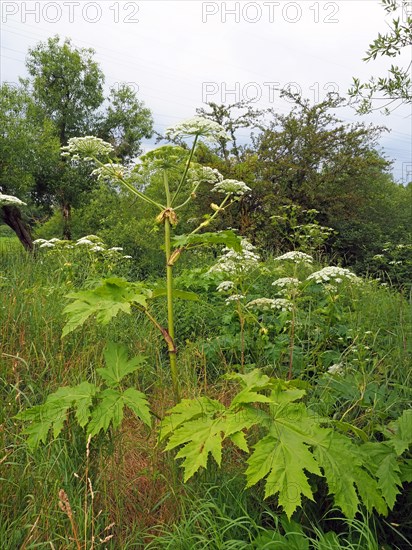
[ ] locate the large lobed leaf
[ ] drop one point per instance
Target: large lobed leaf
(226, 237)
(118, 365)
(53, 412)
(104, 302)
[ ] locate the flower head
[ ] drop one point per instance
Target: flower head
(231, 187)
(198, 126)
(266, 304)
(336, 369)
(332, 273)
(109, 172)
(86, 147)
(234, 298)
(283, 282)
(296, 256)
(204, 174)
(237, 263)
(225, 286)
(6, 200)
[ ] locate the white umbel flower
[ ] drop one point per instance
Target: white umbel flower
(204, 174)
(198, 126)
(109, 172)
(296, 256)
(225, 286)
(336, 369)
(236, 263)
(332, 273)
(84, 241)
(234, 298)
(86, 147)
(6, 200)
(284, 282)
(266, 304)
(231, 187)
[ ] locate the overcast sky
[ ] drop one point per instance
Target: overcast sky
(179, 54)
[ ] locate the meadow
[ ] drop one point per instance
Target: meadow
(333, 347)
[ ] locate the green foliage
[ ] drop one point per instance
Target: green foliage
(95, 408)
(105, 302)
(296, 444)
(395, 88)
(227, 237)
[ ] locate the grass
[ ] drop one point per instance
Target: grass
(125, 481)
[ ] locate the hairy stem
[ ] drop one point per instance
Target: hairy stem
(169, 291)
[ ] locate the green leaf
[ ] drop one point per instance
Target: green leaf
(382, 462)
(117, 364)
(187, 409)
(181, 294)
(400, 432)
(137, 402)
(199, 437)
(227, 237)
(339, 461)
(282, 458)
(105, 302)
(53, 412)
(110, 409)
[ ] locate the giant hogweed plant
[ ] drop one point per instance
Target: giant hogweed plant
(287, 447)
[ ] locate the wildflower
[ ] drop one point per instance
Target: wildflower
(204, 174)
(40, 241)
(265, 304)
(198, 126)
(224, 286)
(336, 369)
(128, 257)
(234, 298)
(286, 282)
(109, 172)
(97, 248)
(231, 187)
(47, 244)
(84, 241)
(337, 274)
(296, 256)
(6, 200)
(236, 263)
(86, 147)
(116, 248)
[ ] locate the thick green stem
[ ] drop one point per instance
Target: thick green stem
(169, 291)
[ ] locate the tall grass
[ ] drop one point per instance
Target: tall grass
(124, 478)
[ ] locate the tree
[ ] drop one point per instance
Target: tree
(396, 88)
(125, 123)
(229, 117)
(312, 159)
(67, 87)
(29, 154)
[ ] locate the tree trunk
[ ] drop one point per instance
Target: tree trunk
(11, 216)
(67, 214)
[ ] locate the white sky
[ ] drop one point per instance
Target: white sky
(178, 54)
